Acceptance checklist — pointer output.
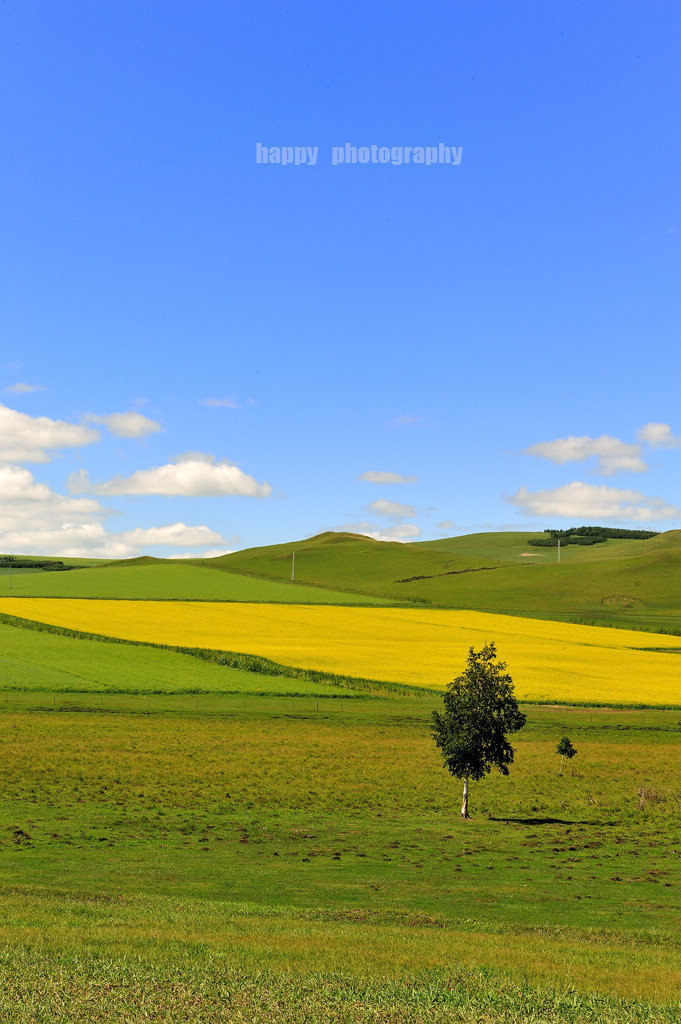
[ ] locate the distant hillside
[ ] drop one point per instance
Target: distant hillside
(621, 581)
(139, 560)
(340, 560)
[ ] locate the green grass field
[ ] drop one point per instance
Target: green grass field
(310, 865)
(189, 841)
(169, 581)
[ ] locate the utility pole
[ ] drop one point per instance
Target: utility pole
(559, 551)
(293, 567)
(9, 573)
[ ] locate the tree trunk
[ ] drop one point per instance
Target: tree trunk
(464, 806)
(561, 765)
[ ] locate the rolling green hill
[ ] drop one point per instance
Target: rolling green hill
(622, 582)
(344, 561)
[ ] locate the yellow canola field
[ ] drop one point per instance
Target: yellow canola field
(549, 661)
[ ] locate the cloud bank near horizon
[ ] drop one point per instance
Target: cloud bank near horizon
(35, 520)
(580, 501)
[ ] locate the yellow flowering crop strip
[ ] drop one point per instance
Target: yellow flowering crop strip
(549, 661)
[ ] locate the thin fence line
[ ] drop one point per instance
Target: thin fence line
(228, 705)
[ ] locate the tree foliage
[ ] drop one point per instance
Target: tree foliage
(565, 749)
(479, 710)
(12, 562)
(588, 535)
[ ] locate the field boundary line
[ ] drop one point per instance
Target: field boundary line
(389, 603)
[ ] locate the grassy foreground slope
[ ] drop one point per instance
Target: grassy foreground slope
(312, 867)
(620, 582)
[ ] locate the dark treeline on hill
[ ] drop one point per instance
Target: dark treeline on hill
(12, 562)
(604, 531)
(588, 535)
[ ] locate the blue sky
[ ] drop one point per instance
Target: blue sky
(201, 353)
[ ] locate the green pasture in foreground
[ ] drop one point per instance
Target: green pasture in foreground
(622, 582)
(170, 581)
(170, 984)
(311, 866)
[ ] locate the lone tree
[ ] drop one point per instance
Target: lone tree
(565, 749)
(479, 709)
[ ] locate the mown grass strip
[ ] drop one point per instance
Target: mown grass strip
(174, 582)
(229, 659)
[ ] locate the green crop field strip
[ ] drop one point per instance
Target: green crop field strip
(42, 662)
(168, 581)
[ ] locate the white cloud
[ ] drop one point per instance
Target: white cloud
(192, 475)
(446, 524)
(211, 553)
(402, 532)
(23, 389)
(128, 424)
(79, 483)
(92, 540)
(220, 403)
(26, 502)
(391, 509)
(175, 535)
(26, 438)
(379, 477)
(36, 520)
(580, 501)
(613, 455)
(658, 435)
